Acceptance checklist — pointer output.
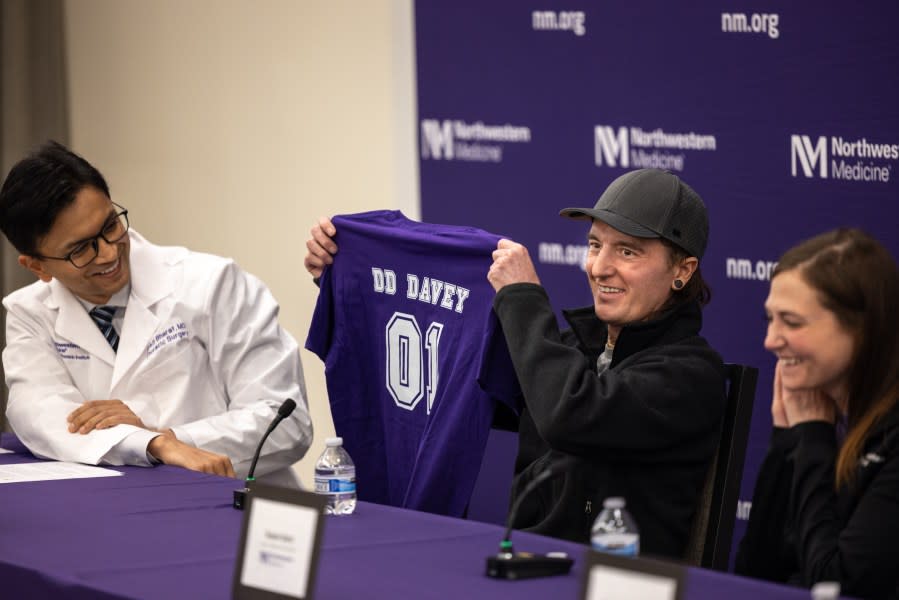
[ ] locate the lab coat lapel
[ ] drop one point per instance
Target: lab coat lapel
(150, 282)
(75, 325)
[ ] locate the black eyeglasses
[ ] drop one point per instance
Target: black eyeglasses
(86, 251)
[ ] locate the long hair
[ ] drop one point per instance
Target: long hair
(856, 278)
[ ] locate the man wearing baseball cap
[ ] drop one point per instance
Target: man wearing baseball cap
(628, 401)
(629, 398)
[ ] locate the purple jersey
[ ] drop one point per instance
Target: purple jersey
(399, 324)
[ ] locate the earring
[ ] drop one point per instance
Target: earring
(678, 284)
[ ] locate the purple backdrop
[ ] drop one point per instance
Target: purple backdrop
(785, 118)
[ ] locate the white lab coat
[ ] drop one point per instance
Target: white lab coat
(201, 352)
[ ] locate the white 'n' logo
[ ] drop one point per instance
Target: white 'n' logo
(611, 147)
(809, 155)
(436, 139)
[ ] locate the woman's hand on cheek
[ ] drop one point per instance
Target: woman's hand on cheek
(803, 405)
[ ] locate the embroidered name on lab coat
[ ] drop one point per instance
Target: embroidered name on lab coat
(170, 335)
(69, 351)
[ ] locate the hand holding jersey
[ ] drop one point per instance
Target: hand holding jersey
(398, 321)
(647, 425)
(511, 264)
(321, 247)
(511, 261)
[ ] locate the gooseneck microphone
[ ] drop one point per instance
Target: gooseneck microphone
(283, 412)
(506, 545)
(240, 496)
(508, 564)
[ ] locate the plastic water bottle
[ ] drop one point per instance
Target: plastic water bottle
(335, 478)
(614, 531)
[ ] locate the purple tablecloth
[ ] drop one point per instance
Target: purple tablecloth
(168, 533)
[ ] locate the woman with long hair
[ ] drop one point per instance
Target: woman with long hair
(826, 502)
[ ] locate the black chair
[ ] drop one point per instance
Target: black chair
(713, 526)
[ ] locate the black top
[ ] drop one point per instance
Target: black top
(645, 429)
(802, 531)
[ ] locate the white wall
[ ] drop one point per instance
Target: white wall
(230, 126)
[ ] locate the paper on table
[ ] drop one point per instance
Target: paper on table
(5, 451)
(51, 471)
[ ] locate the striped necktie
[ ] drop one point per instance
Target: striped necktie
(102, 316)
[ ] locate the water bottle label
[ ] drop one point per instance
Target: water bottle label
(342, 485)
(622, 544)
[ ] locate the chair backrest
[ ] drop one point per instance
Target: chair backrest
(713, 524)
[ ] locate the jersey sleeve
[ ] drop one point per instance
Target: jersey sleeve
(496, 373)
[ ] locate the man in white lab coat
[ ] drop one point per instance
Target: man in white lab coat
(124, 352)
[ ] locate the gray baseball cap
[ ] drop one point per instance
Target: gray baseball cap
(651, 203)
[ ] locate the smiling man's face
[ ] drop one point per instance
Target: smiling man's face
(91, 213)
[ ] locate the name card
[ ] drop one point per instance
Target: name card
(279, 545)
(612, 577)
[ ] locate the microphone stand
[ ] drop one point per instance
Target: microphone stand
(508, 564)
(240, 496)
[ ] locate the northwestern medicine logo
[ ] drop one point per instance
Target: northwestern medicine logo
(634, 147)
(454, 139)
(849, 160)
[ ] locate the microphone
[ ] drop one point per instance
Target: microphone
(240, 496)
(508, 564)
